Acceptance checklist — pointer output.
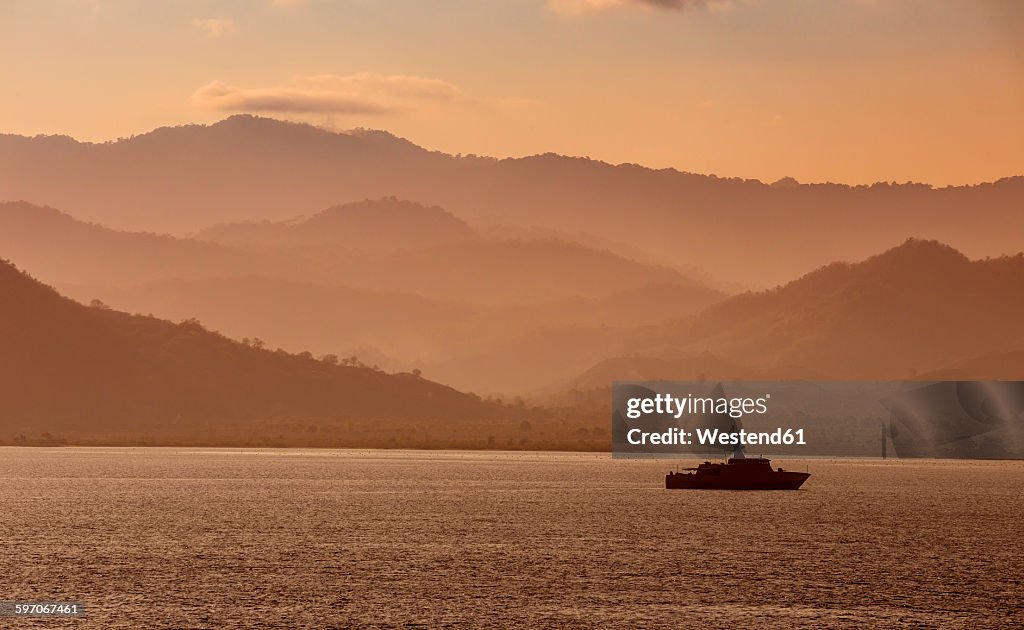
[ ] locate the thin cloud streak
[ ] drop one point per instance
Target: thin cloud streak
(220, 96)
(362, 93)
(214, 27)
(579, 7)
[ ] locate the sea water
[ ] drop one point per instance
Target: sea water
(349, 538)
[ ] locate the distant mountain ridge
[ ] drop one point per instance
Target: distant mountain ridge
(59, 248)
(917, 307)
(389, 223)
(444, 262)
(183, 179)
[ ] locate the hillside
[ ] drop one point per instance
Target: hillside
(917, 307)
(919, 311)
(91, 374)
(253, 169)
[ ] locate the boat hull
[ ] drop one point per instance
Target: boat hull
(773, 481)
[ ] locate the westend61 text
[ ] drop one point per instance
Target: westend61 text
(716, 437)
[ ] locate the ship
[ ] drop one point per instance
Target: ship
(737, 473)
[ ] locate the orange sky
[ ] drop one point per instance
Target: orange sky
(841, 90)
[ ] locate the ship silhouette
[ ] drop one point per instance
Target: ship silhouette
(738, 473)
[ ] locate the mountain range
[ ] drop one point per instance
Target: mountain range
(180, 180)
(545, 277)
(451, 309)
(61, 249)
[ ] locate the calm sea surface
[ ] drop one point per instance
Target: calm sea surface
(309, 538)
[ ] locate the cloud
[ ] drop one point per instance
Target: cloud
(362, 93)
(214, 27)
(578, 7)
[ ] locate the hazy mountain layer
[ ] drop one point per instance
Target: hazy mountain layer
(184, 179)
(400, 331)
(94, 375)
(61, 250)
(481, 314)
(914, 309)
(369, 225)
